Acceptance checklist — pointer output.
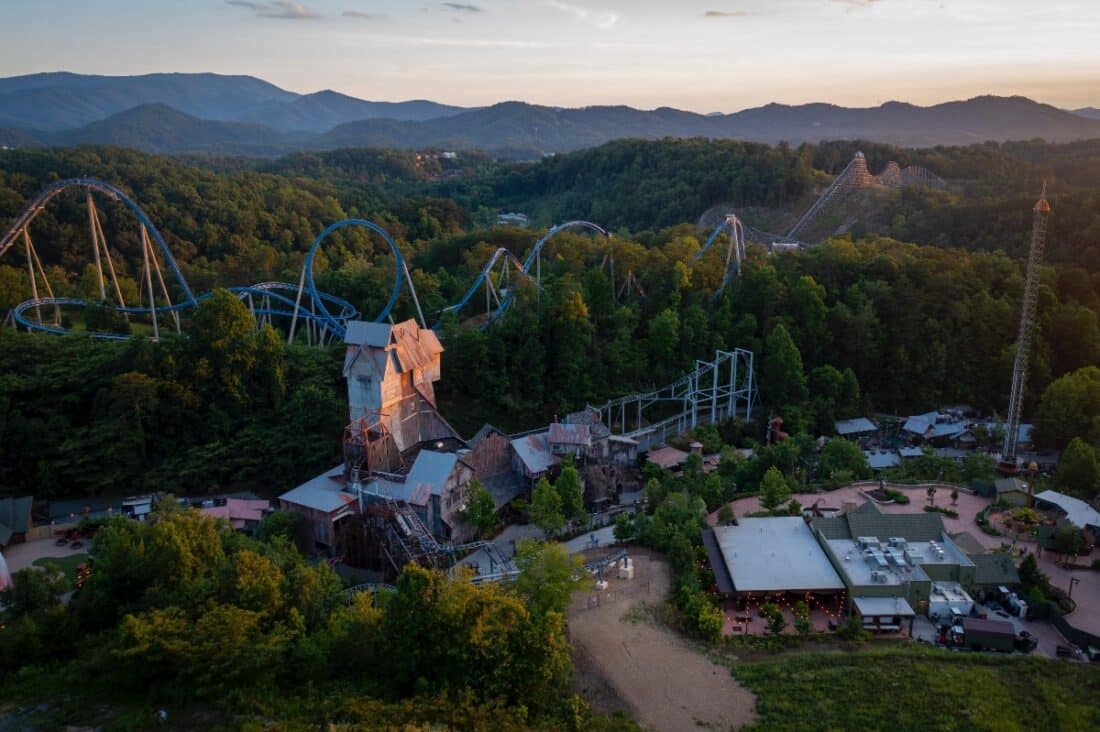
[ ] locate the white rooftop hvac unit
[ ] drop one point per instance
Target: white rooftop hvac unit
(867, 542)
(878, 577)
(898, 542)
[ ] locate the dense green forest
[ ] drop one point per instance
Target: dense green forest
(182, 611)
(860, 325)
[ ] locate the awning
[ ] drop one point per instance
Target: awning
(872, 607)
(717, 563)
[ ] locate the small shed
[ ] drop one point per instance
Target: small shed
(1013, 491)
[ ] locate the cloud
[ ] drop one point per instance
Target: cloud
(463, 7)
(285, 9)
(602, 19)
(471, 42)
(361, 15)
(726, 14)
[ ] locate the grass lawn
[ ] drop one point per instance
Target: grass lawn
(920, 689)
(68, 564)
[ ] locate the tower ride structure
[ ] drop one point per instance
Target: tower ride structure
(1041, 212)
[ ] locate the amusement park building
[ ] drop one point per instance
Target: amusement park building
(400, 452)
(15, 519)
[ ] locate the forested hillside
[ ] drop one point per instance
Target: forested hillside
(858, 325)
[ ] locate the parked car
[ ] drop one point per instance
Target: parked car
(61, 541)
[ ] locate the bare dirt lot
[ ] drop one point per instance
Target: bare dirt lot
(644, 670)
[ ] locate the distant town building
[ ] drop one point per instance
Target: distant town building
(243, 514)
(513, 219)
(855, 428)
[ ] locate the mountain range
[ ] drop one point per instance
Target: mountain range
(211, 113)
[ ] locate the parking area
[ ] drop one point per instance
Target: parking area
(1045, 634)
(21, 556)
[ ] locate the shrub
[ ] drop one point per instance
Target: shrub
(1096, 564)
(853, 630)
(896, 496)
(725, 514)
(951, 513)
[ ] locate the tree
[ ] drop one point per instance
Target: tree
(223, 341)
(34, 591)
(624, 528)
(1069, 408)
(285, 524)
(662, 338)
(774, 489)
(546, 510)
(548, 576)
(843, 455)
(802, 622)
(782, 377)
(931, 495)
(978, 466)
(571, 490)
(480, 511)
(776, 622)
(1069, 542)
(1078, 470)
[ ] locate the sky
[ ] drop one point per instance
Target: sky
(705, 56)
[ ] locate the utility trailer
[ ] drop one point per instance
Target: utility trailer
(989, 635)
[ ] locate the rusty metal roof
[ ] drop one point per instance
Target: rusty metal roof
(409, 345)
(570, 434)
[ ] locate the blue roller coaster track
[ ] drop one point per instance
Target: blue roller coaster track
(266, 300)
(509, 262)
(324, 316)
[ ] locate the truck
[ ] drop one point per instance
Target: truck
(988, 635)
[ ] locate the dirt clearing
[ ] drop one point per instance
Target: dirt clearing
(643, 669)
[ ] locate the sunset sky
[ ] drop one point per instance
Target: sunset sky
(715, 55)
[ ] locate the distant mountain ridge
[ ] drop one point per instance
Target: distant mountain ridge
(1090, 112)
(185, 113)
(515, 125)
(61, 100)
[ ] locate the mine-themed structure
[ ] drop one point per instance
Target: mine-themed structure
(400, 493)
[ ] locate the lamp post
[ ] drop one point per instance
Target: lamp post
(1072, 581)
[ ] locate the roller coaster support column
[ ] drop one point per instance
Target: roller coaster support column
(30, 272)
(412, 291)
(110, 262)
(147, 275)
(297, 305)
(95, 247)
(160, 280)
